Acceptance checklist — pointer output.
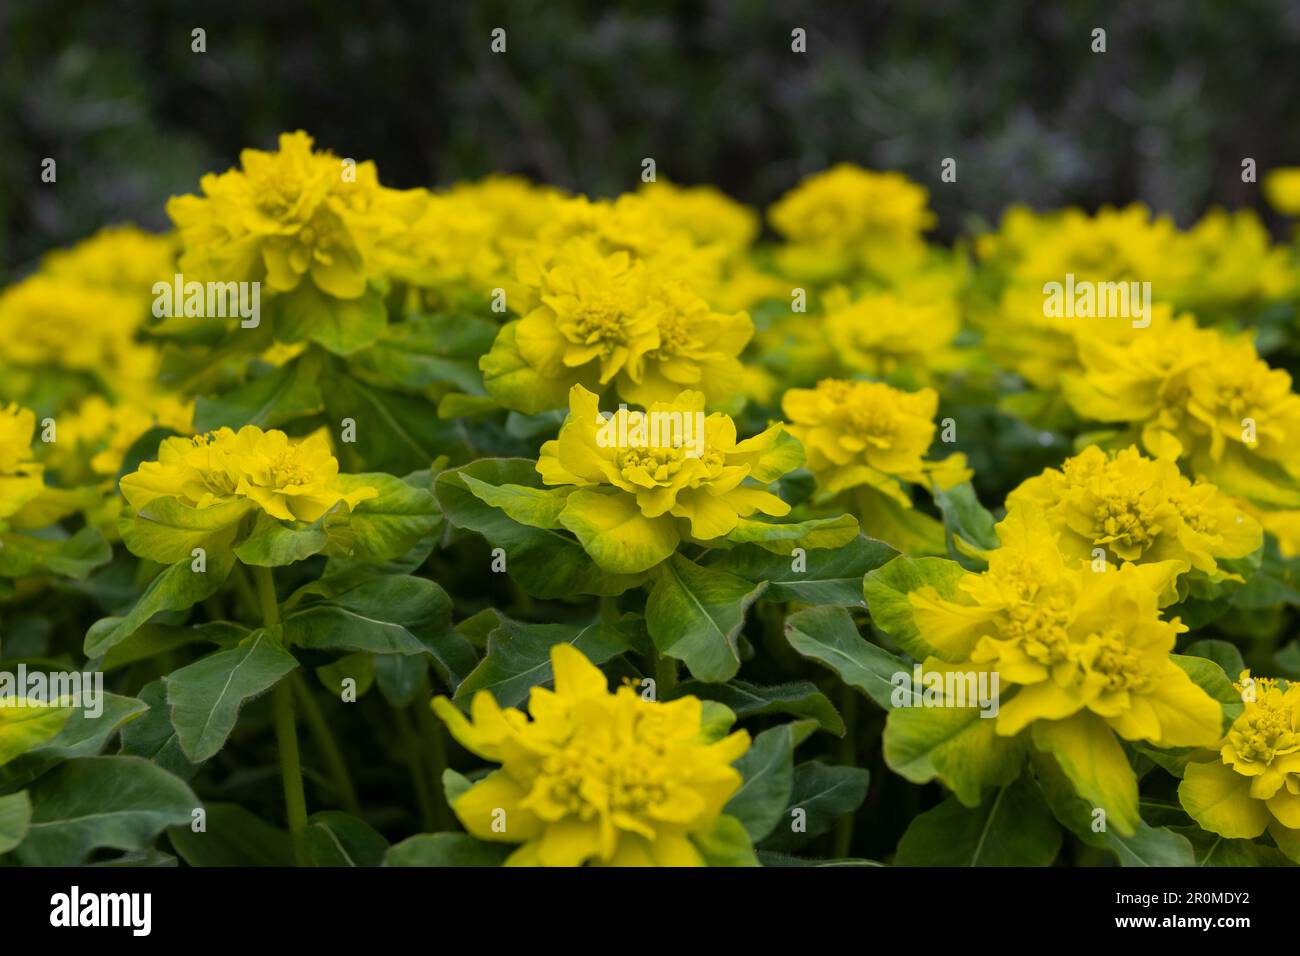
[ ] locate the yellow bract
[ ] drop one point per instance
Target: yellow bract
(1136, 509)
(290, 480)
(20, 477)
(1085, 652)
(637, 497)
(1252, 783)
(850, 217)
(292, 214)
(1282, 190)
(609, 779)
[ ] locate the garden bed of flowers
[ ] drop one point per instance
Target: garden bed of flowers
(354, 525)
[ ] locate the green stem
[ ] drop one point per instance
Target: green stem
(295, 801)
(848, 757)
(286, 733)
(328, 746)
(423, 797)
(665, 668)
(435, 742)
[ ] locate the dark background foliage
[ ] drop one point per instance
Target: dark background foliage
(711, 90)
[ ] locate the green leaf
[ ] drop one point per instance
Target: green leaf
(26, 728)
(1151, 846)
(801, 699)
(343, 326)
(887, 588)
(233, 836)
(514, 383)
(15, 815)
(815, 533)
(153, 737)
(1209, 676)
(386, 527)
(334, 838)
(281, 395)
(824, 793)
(768, 769)
(1011, 827)
(954, 745)
(206, 696)
(446, 849)
(1213, 850)
(382, 615)
(965, 519)
(95, 802)
(87, 730)
(454, 785)
(695, 615)
(535, 507)
(1222, 653)
(177, 588)
(822, 576)
(395, 433)
(546, 563)
(429, 350)
(829, 636)
(274, 543)
(167, 531)
(519, 656)
(23, 555)
(726, 843)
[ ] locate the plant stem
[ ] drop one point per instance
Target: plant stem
(665, 674)
(329, 748)
(418, 779)
(435, 741)
(848, 757)
(295, 801)
(286, 734)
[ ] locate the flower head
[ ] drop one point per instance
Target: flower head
(1252, 782)
(609, 318)
(646, 479)
(292, 214)
(1136, 509)
(289, 480)
(610, 779)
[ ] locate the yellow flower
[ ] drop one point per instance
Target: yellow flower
(1254, 784)
(1137, 509)
(880, 333)
(289, 480)
(290, 214)
(100, 434)
(1233, 262)
(609, 779)
(1086, 654)
(710, 217)
(1198, 396)
(638, 495)
(1282, 190)
(846, 205)
(53, 321)
(20, 477)
(471, 234)
(870, 438)
(121, 259)
(603, 319)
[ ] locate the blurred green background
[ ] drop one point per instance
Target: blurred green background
(711, 90)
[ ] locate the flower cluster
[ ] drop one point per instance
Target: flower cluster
(611, 779)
